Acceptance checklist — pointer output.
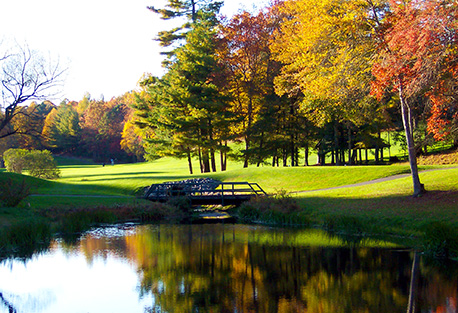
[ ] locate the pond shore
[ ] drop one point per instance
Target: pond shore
(384, 207)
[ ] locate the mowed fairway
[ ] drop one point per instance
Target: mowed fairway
(126, 179)
(386, 203)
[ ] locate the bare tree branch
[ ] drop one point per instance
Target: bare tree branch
(26, 75)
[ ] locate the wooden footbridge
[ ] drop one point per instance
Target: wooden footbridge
(228, 193)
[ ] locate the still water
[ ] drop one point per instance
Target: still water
(223, 268)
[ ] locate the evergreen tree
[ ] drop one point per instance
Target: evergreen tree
(186, 111)
(183, 9)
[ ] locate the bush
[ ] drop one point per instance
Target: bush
(40, 164)
(441, 241)
(12, 193)
(281, 209)
(14, 160)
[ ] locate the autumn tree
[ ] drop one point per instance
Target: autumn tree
(244, 50)
(418, 52)
(26, 75)
(61, 129)
(132, 142)
(327, 48)
(102, 124)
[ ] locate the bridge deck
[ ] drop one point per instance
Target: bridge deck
(228, 193)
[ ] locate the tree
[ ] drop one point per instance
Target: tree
(180, 9)
(61, 130)
(26, 75)
(131, 141)
(417, 53)
(244, 49)
(326, 48)
(185, 110)
(40, 164)
(197, 102)
(30, 123)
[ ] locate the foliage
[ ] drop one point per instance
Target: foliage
(188, 10)
(61, 129)
(14, 159)
(13, 192)
(280, 209)
(441, 241)
(131, 141)
(185, 111)
(24, 238)
(40, 164)
(349, 225)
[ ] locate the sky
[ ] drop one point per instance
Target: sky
(107, 45)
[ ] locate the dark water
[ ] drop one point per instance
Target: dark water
(223, 268)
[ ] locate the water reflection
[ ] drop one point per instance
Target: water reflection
(228, 268)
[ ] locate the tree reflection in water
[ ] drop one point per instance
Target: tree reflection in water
(234, 268)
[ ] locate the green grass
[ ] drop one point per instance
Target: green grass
(386, 204)
(125, 179)
(389, 203)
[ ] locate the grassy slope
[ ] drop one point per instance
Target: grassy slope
(124, 179)
(390, 203)
(387, 201)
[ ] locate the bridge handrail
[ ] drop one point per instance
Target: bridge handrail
(213, 190)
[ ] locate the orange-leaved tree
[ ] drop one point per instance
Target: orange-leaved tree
(417, 53)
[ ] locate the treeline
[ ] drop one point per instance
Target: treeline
(270, 87)
(327, 75)
(88, 128)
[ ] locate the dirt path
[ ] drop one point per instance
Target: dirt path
(375, 181)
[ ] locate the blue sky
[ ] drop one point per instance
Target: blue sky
(107, 44)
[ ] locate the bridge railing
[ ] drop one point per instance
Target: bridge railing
(233, 190)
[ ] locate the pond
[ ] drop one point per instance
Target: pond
(223, 268)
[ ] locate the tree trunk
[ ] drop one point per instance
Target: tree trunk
(350, 160)
(189, 162)
(200, 160)
(336, 143)
(261, 146)
(223, 158)
(418, 188)
(360, 157)
(248, 130)
(213, 160)
(306, 158)
(205, 161)
(285, 157)
(293, 150)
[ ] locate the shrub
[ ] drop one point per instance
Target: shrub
(281, 209)
(12, 193)
(24, 238)
(441, 241)
(40, 164)
(14, 160)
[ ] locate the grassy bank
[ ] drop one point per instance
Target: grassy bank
(386, 206)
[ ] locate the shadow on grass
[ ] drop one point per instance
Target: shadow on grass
(398, 214)
(142, 174)
(99, 186)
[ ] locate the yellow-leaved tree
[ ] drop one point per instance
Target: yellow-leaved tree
(327, 48)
